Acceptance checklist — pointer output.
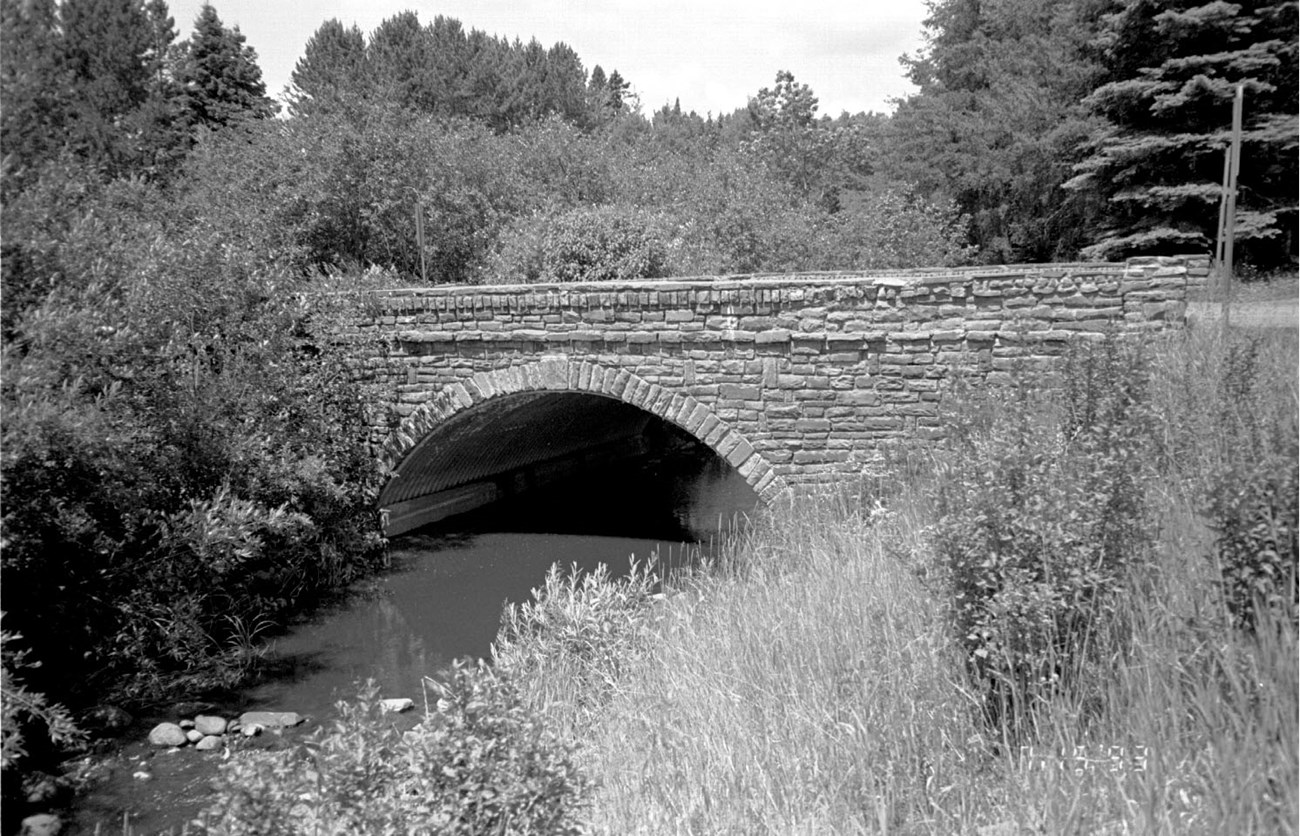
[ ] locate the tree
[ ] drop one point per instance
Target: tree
(333, 70)
(997, 120)
(819, 158)
(401, 55)
(33, 88)
(1166, 100)
(106, 52)
(786, 106)
(221, 82)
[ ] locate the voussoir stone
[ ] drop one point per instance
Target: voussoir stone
(167, 734)
(210, 724)
(270, 719)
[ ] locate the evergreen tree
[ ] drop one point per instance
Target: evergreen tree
(162, 32)
(564, 86)
(1172, 70)
(221, 82)
(333, 70)
(33, 87)
(106, 50)
(618, 91)
(401, 56)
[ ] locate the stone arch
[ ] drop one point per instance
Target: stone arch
(560, 374)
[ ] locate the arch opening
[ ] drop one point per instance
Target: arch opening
(555, 437)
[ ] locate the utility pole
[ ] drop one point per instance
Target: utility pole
(1228, 204)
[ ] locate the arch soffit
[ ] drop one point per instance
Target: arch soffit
(559, 374)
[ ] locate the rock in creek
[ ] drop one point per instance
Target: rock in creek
(209, 724)
(398, 704)
(208, 743)
(45, 824)
(167, 734)
(270, 719)
(193, 735)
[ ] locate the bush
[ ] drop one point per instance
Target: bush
(483, 763)
(603, 243)
(1254, 501)
(1043, 521)
(581, 632)
(182, 458)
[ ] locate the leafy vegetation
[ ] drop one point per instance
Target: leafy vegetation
(483, 762)
(184, 453)
(819, 677)
(1044, 522)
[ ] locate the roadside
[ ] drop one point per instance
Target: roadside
(1263, 303)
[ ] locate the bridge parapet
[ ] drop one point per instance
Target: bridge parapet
(811, 370)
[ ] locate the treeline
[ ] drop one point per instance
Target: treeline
(1097, 128)
(183, 456)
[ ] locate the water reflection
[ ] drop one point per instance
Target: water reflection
(442, 601)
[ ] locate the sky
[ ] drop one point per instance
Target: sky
(711, 54)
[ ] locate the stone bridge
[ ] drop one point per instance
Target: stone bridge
(794, 380)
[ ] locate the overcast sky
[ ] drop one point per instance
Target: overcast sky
(712, 54)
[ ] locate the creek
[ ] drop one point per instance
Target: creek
(441, 600)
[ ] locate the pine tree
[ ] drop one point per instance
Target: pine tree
(33, 87)
(333, 70)
(401, 56)
(221, 82)
(1172, 71)
(106, 47)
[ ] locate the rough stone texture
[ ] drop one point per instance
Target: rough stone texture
(795, 380)
(167, 734)
(42, 824)
(210, 724)
(270, 719)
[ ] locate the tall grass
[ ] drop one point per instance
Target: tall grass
(812, 683)
(819, 678)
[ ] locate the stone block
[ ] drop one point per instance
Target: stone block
(738, 391)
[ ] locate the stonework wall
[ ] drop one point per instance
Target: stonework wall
(810, 371)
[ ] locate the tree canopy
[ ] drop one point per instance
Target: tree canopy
(1171, 71)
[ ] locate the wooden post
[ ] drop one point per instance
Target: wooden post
(1231, 222)
(419, 239)
(1221, 232)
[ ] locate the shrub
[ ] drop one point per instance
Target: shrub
(579, 633)
(603, 243)
(181, 452)
(1253, 503)
(483, 763)
(894, 228)
(23, 711)
(1043, 518)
